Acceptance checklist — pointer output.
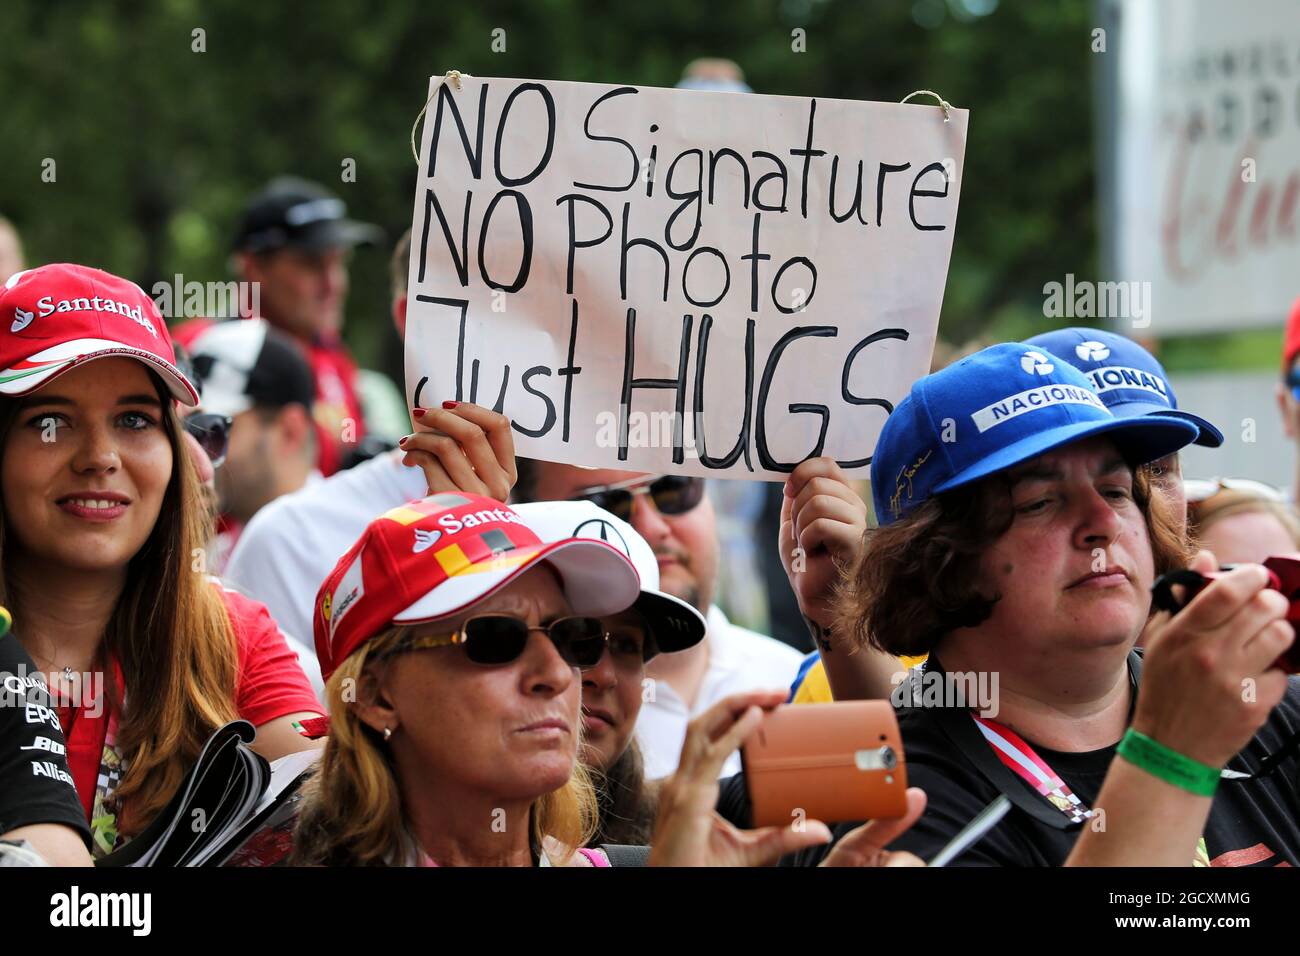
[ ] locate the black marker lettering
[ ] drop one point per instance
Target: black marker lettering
(911, 199)
(550, 135)
(630, 383)
(586, 130)
(885, 168)
(463, 306)
(755, 256)
(622, 262)
(525, 233)
(475, 155)
(765, 385)
(574, 242)
(856, 400)
(807, 153)
(742, 440)
(550, 405)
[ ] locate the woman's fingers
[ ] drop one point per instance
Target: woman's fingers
(429, 448)
(1223, 598)
(479, 435)
(763, 847)
(713, 730)
(434, 474)
(865, 846)
(485, 435)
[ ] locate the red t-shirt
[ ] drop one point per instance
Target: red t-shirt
(339, 423)
(336, 392)
(270, 683)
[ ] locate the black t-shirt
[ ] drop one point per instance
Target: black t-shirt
(1251, 823)
(35, 785)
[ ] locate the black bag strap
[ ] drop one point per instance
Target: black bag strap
(621, 854)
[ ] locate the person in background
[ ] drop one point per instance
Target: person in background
(101, 515)
(1288, 390)
(11, 250)
(1049, 536)
(292, 244)
(675, 516)
(1130, 381)
(290, 545)
(612, 690)
(258, 378)
(714, 73)
(1240, 521)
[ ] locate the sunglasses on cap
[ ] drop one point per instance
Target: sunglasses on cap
(1199, 490)
(495, 639)
(672, 495)
(212, 432)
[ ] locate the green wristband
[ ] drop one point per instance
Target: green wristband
(1169, 765)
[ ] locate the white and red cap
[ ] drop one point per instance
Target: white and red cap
(435, 557)
(60, 316)
(674, 624)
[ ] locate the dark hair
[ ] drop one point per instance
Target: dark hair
(626, 806)
(525, 489)
(917, 579)
(398, 264)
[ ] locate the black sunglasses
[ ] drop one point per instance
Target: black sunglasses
(212, 432)
(494, 639)
(672, 495)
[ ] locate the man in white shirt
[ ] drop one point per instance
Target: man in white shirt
(674, 515)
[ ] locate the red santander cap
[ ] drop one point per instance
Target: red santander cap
(435, 557)
(1291, 338)
(60, 316)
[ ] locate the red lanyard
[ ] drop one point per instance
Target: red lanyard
(1031, 768)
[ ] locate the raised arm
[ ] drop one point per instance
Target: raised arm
(822, 523)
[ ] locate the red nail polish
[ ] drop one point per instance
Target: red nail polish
(418, 412)
(450, 404)
(402, 441)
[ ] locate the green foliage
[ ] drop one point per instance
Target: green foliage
(157, 145)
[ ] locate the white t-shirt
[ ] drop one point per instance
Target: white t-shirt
(739, 660)
(292, 544)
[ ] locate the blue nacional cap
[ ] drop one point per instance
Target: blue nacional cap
(993, 410)
(1125, 375)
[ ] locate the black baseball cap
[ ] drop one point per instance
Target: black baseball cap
(245, 363)
(296, 212)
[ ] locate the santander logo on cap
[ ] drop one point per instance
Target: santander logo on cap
(62, 315)
(47, 305)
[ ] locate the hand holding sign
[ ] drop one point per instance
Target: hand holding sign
(462, 447)
(679, 281)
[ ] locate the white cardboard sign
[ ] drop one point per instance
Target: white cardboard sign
(719, 284)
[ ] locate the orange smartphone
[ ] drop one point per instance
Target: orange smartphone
(830, 762)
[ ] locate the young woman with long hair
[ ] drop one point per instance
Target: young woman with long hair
(102, 528)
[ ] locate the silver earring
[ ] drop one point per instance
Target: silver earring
(387, 733)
